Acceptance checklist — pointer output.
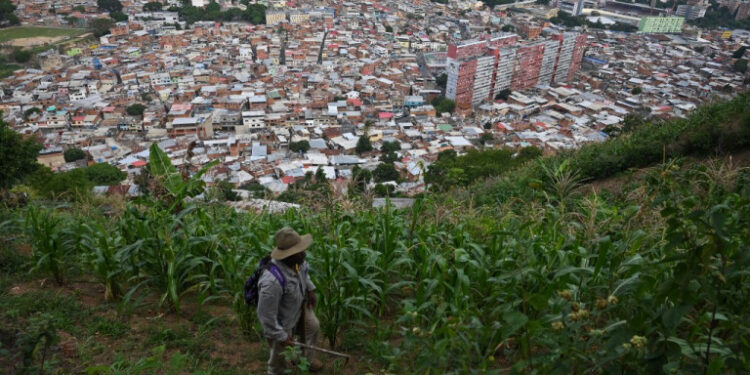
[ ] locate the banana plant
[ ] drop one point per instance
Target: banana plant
(177, 186)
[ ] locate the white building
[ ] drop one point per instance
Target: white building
(254, 119)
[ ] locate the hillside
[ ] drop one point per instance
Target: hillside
(530, 272)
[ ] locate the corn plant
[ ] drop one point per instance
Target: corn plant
(105, 254)
(53, 245)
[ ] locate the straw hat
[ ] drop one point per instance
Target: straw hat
(289, 242)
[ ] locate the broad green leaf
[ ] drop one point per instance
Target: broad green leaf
(161, 167)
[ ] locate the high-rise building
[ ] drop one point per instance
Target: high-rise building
(692, 10)
(479, 69)
(574, 7)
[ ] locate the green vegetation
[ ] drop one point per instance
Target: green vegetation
(31, 111)
(443, 104)
(386, 172)
(720, 17)
(136, 109)
(7, 70)
(100, 26)
(154, 6)
(21, 56)
(451, 170)
(739, 53)
(109, 5)
(716, 129)
(17, 156)
(540, 274)
(32, 32)
(740, 65)
(441, 81)
(73, 154)
(503, 94)
(118, 16)
(303, 146)
(254, 13)
(6, 13)
(636, 90)
(363, 144)
(75, 184)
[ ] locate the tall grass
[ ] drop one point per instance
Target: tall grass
(593, 286)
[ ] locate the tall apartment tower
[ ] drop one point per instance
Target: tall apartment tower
(479, 69)
(473, 68)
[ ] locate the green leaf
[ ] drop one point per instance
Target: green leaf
(673, 316)
(715, 366)
(514, 320)
(161, 167)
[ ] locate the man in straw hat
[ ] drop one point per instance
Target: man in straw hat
(281, 306)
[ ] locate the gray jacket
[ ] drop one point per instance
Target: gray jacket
(279, 310)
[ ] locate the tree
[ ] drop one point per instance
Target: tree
(225, 191)
(636, 90)
(27, 113)
(503, 94)
(486, 137)
(360, 179)
(739, 52)
(632, 122)
(104, 174)
(153, 6)
(256, 14)
(100, 26)
(79, 8)
(320, 176)
(136, 109)
(390, 146)
(385, 172)
(384, 190)
(17, 156)
(73, 154)
(6, 12)
(66, 185)
(389, 157)
(740, 65)
(303, 145)
(212, 11)
(109, 5)
(443, 104)
(388, 29)
(22, 55)
(119, 16)
(363, 144)
(508, 28)
(442, 80)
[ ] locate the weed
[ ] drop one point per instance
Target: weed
(108, 327)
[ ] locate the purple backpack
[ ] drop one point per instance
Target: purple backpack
(251, 285)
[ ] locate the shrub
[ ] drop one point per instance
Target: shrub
(73, 154)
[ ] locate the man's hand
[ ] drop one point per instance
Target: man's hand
(312, 300)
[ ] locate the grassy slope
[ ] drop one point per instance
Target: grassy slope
(561, 233)
(206, 337)
(32, 31)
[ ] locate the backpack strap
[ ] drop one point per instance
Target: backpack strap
(276, 272)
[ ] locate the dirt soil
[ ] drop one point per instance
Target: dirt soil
(223, 343)
(35, 41)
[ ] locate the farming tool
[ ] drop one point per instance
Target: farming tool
(326, 351)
